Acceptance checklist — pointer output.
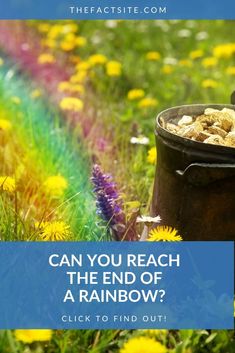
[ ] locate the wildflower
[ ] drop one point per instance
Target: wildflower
(81, 41)
(1, 61)
(141, 140)
(230, 70)
(66, 86)
(107, 193)
(63, 86)
(209, 83)
(185, 63)
(78, 77)
(152, 155)
(55, 185)
(49, 43)
(147, 102)
(55, 31)
(163, 233)
(5, 125)
(109, 205)
(196, 54)
(209, 62)
(170, 61)
(148, 219)
(224, 51)
(97, 59)
(167, 69)
(70, 28)
(143, 344)
(29, 336)
(67, 45)
(135, 94)
(16, 100)
(83, 65)
(7, 183)
(184, 33)
(202, 36)
(113, 68)
(153, 56)
(54, 231)
(111, 23)
(71, 103)
(76, 88)
(46, 58)
(36, 93)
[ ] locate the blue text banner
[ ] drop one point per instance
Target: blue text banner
(124, 285)
(117, 9)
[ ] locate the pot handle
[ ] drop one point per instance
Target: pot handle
(202, 174)
(232, 98)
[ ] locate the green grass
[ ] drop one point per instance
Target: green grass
(41, 145)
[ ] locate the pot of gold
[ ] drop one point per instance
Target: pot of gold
(194, 188)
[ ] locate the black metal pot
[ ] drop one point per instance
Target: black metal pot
(194, 189)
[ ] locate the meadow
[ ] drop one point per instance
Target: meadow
(78, 102)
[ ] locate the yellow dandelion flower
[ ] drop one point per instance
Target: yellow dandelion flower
(70, 28)
(113, 68)
(185, 63)
(153, 56)
(67, 45)
(143, 345)
(49, 43)
(55, 31)
(152, 155)
(46, 58)
(7, 183)
(163, 233)
(230, 70)
(36, 93)
(1, 61)
(29, 336)
(66, 86)
(79, 77)
(147, 102)
(54, 231)
(134, 94)
(196, 54)
(167, 69)
(81, 41)
(76, 88)
(97, 59)
(209, 83)
(5, 125)
(72, 104)
(224, 51)
(16, 100)
(55, 185)
(83, 65)
(209, 62)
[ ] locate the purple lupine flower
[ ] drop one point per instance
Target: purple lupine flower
(109, 203)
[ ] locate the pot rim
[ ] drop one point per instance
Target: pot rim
(159, 130)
